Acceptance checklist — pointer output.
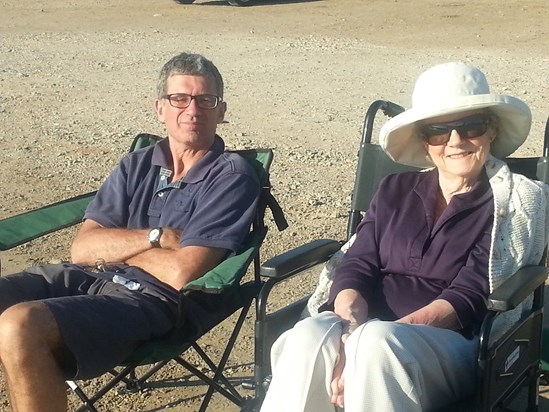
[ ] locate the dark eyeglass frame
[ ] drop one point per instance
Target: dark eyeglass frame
(470, 127)
(204, 101)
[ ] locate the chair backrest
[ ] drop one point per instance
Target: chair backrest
(373, 164)
(230, 271)
(22, 228)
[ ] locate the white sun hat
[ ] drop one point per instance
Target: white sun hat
(447, 89)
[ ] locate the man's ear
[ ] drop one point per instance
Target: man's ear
(159, 108)
(222, 110)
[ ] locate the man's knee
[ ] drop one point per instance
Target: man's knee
(26, 324)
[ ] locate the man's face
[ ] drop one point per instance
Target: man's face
(192, 127)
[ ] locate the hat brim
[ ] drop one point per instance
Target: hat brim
(400, 140)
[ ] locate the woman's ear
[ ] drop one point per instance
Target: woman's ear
(492, 133)
(493, 127)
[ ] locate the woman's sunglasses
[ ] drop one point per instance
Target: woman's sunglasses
(469, 128)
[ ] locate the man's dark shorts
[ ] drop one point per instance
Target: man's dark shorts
(101, 322)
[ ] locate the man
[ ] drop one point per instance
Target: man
(167, 213)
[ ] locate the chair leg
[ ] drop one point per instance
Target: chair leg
(137, 384)
(533, 392)
(224, 358)
(218, 382)
(214, 368)
(88, 402)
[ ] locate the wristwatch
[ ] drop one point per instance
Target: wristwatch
(154, 236)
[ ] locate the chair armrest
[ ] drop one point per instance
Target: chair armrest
(24, 227)
(300, 258)
(517, 288)
(231, 270)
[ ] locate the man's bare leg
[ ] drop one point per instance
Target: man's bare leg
(30, 342)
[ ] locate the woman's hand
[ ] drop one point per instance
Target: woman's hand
(349, 305)
(352, 308)
(439, 313)
(338, 378)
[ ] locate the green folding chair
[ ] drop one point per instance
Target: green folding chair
(221, 286)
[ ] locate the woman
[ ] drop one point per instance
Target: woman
(399, 329)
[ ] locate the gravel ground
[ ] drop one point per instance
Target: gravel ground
(77, 83)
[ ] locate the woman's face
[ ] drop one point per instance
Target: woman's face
(459, 144)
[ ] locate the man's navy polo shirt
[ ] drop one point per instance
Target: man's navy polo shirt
(213, 205)
(403, 259)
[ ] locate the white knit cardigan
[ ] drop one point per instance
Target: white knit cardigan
(519, 235)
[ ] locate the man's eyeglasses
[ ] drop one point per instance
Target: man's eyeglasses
(469, 128)
(183, 100)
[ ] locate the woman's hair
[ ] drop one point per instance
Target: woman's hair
(493, 120)
(192, 65)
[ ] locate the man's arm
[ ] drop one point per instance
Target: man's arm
(170, 263)
(94, 241)
(178, 267)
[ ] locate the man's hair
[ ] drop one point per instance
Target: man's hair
(192, 65)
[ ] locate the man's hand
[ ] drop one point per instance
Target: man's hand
(170, 238)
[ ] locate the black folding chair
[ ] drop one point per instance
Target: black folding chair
(504, 366)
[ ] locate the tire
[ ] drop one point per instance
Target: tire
(239, 2)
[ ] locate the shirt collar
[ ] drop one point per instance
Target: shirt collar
(477, 195)
(162, 157)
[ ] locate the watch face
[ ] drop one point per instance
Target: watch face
(154, 234)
